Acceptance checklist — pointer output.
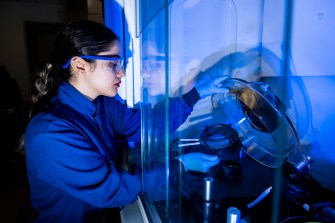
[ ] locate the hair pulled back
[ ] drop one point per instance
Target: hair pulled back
(73, 39)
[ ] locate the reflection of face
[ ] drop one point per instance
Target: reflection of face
(153, 73)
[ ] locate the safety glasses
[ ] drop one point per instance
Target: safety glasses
(111, 63)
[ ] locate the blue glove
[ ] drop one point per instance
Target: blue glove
(211, 85)
(198, 161)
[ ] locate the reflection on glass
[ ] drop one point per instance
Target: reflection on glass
(175, 56)
(153, 74)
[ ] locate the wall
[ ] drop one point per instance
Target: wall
(298, 42)
(308, 32)
(13, 46)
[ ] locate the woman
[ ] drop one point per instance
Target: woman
(72, 138)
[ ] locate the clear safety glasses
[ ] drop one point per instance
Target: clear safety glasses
(111, 63)
(152, 66)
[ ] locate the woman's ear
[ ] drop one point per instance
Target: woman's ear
(79, 65)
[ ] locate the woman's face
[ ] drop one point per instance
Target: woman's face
(102, 79)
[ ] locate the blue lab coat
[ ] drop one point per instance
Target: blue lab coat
(71, 155)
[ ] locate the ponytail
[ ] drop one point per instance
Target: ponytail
(41, 83)
(45, 88)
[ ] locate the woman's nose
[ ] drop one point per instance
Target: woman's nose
(145, 74)
(121, 73)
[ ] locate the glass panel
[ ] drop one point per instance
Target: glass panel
(154, 74)
(174, 54)
(273, 117)
(149, 10)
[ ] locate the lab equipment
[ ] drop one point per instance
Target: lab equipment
(233, 215)
(259, 198)
(322, 211)
(208, 199)
(266, 133)
(208, 189)
(229, 170)
(216, 139)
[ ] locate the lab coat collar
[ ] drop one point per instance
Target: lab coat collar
(69, 95)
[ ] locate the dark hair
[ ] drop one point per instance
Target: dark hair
(73, 39)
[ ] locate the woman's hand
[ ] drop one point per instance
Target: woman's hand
(211, 85)
(197, 161)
